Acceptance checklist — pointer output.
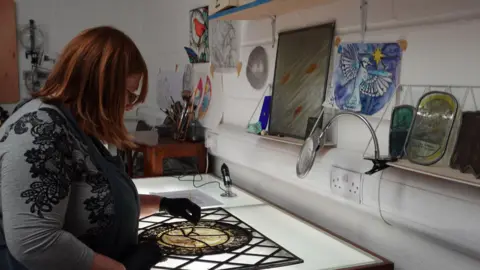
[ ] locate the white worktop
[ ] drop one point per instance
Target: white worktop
(170, 184)
(318, 249)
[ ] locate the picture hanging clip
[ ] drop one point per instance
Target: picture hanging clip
(212, 70)
(274, 30)
(239, 68)
(403, 44)
(364, 15)
(338, 40)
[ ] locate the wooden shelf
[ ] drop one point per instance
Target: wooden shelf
(437, 171)
(289, 140)
(261, 9)
(282, 139)
(240, 131)
(9, 78)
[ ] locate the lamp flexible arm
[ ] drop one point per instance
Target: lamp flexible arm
(367, 123)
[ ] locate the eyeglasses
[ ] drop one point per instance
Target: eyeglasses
(131, 97)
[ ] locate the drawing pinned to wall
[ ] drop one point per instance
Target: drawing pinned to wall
(257, 68)
(365, 76)
(207, 97)
(225, 44)
(199, 51)
(169, 87)
(188, 78)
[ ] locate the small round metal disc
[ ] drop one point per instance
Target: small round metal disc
(257, 68)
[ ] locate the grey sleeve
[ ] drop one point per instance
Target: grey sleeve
(35, 189)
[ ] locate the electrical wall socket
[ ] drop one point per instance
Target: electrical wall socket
(346, 184)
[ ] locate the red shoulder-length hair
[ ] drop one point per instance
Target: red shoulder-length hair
(90, 78)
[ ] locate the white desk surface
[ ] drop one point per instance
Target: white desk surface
(319, 249)
(168, 184)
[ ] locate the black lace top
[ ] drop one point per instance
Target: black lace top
(54, 201)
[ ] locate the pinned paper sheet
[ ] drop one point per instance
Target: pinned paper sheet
(403, 44)
(338, 40)
(169, 86)
(212, 70)
(239, 68)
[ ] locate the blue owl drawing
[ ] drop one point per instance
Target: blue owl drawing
(366, 75)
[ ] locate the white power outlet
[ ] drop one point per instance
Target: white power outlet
(346, 184)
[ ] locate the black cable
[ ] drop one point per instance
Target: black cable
(179, 178)
(201, 179)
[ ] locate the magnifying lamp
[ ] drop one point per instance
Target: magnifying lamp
(316, 141)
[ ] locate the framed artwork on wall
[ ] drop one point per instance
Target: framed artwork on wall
(365, 76)
(199, 50)
(300, 79)
(225, 45)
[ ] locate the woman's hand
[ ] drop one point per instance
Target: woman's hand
(182, 207)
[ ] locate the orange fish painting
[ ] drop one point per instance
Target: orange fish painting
(297, 111)
(311, 68)
(285, 78)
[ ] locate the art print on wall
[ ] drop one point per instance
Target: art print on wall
(365, 76)
(225, 45)
(199, 51)
(257, 68)
(207, 98)
(301, 75)
(169, 87)
(187, 83)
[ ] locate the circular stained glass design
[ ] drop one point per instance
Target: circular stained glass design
(205, 238)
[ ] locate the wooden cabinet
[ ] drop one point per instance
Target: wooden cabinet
(9, 86)
(154, 156)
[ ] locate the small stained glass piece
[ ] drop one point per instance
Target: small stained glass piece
(466, 155)
(431, 128)
(402, 117)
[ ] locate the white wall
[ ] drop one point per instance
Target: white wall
(437, 54)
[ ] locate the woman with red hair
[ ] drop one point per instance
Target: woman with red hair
(66, 203)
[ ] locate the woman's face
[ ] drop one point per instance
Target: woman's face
(133, 82)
